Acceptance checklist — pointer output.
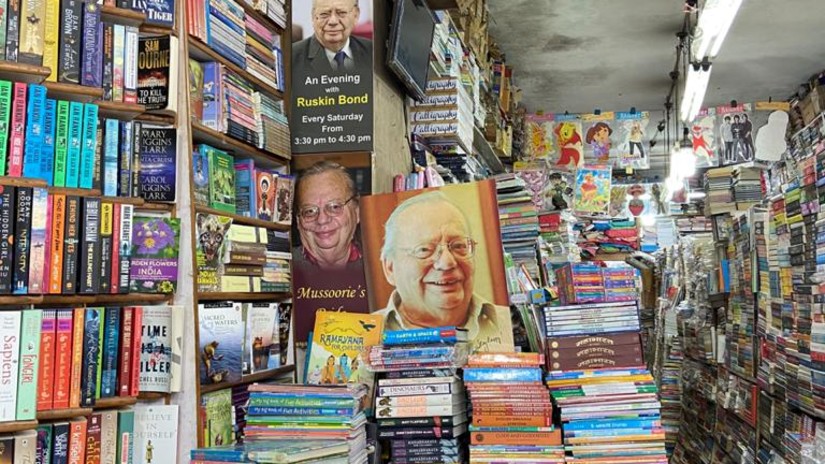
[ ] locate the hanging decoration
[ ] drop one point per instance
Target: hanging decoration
(636, 206)
(735, 130)
(539, 131)
(618, 201)
(770, 139)
(567, 130)
(632, 147)
(703, 137)
(592, 192)
(598, 132)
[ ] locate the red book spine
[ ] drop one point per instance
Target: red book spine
(114, 279)
(137, 331)
(77, 441)
(18, 130)
(48, 333)
(63, 357)
(126, 347)
(77, 357)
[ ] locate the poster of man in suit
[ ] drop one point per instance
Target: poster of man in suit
(332, 67)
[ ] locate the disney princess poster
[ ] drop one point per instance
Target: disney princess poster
(598, 138)
(703, 137)
(567, 131)
(592, 192)
(538, 129)
(631, 139)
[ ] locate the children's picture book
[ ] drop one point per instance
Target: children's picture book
(219, 418)
(567, 131)
(337, 341)
(283, 199)
(156, 434)
(632, 149)
(703, 137)
(736, 133)
(154, 256)
(592, 192)
(598, 138)
(209, 248)
(221, 342)
(538, 130)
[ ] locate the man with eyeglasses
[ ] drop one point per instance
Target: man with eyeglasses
(333, 48)
(429, 257)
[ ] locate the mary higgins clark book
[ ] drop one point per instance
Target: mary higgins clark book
(157, 163)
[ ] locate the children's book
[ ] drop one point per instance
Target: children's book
(337, 341)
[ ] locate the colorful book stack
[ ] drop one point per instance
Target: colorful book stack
(557, 243)
(518, 218)
(588, 283)
(421, 405)
(606, 236)
(274, 126)
(620, 283)
(274, 10)
(512, 415)
(297, 423)
(264, 58)
(596, 318)
(444, 118)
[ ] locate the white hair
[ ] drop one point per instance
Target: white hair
(315, 2)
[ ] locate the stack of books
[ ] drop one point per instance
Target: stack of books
(719, 197)
(580, 283)
(444, 118)
(747, 185)
(519, 222)
(620, 283)
(421, 404)
(225, 30)
(557, 243)
(264, 58)
(274, 10)
(598, 237)
(255, 260)
(274, 126)
(512, 418)
(595, 318)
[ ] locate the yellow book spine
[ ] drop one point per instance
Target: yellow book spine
(52, 39)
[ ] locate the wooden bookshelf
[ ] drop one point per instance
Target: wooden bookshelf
(247, 221)
(261, 17)
(202, 52)
(203, 134)
(17, 426)
(116, 402)
(21, 72)
(73, 92)
(63, 414)
(22, 182)
(127, 17)
(241, 296)
(150, 30)
(442, 4)
(54, 300)
(119, 110)
(251, 378)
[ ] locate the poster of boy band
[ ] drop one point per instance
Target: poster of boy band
(736, 133)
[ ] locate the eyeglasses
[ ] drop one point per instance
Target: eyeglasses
(326, 15)
(334, 208)
(461, 248)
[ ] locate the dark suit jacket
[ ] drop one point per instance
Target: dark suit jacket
(309, 59)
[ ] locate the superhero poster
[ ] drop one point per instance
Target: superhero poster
(703, 137)
(567, 131)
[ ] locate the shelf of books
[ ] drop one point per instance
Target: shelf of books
(241, 203)
(89, 237)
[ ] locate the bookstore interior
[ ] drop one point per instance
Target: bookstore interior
(609, 211)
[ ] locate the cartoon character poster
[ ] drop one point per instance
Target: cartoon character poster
(559, 193)
(703, 137)
(568, 133)
(536, 182)
(631, 140)
(598, 138)
(618, 201)
(592, 192)
(736, 132)
(539, 131)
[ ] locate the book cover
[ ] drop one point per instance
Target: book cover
(32, 32)
(70, 41)
(178, 317)
(219, 418)
(285, 322)
(47, 152)
(61, 379)
(9, 363)
(337, 341)
(221, 180)
(154, 72)
(111, 172)
(209, 249)
(261, 330)
(78, 332)
(61, 144)
(200, 164)
(124, 381)
(22, 234)
(106, 243)
(221, 342)
(125, 247)
(127, 144)
(156, 430)
(94, 435)
(46, 368)
(137, 345)
(196, 90)
(283, 199)
(108, 436)
(27, 393)
(265, 194)
(154, 254)
(77, 441)
(158, 163)
(17, 130)
(158, 12)
(89, 147)
(125, 437)
(89, 255)
(25, 447)
(156, 349)
(91, 352)
(212, 99)
(447, 335)
(12, 29)
(43, 449)
(245, 187)
(91, 62)
(5, 114)
(71, 248)
(108, 77)
(35, 119)
(111, 337)
(39, 245)
(60, 443)
(130, 65)
(72, 175)
(7, 219)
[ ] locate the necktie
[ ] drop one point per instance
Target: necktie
(339, 59)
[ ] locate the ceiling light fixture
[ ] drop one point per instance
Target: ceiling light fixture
(715, 20)
(696, 85)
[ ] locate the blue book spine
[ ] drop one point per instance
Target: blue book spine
(483, 374)
(245, 188)
(279, 62)
(60, 443)
(111, 171)
(35, 119)
(228, 53)
(207, 454)
(286, 411)
(75, 143)
(427, 352)
(211, 95)
(91, 63)
(111, 331)
(49, 132)
(218, 15)
(419, 336)
(126, 155)
(610, 424)
(88, 149)
(91, 350)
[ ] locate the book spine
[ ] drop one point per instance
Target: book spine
(5, 114)
(110, 155)
(89, 279)
(75, 144)
(12, 29)
(118, 68)
(417, 401)
(91, 64)
(110, 353)
(51, 43)
(3, 24)
(108, 61)
(22, 234)
(32, 32)
(124, 375)
(18, 130)
(60, 443)
(411, 390)
(125, 158)
(38, 242)
(43, 451)
(130, 67)
(424, 337)
(93, 438)
(78, 331)
(7, 218)
(35, 119)
(108, 437)
(48, 342)
(58, 228)
(280, 411)
(125, 246)
(125, 433)
(134, 171)
(72, 245)
(87, 156)
(61, 144)
(91, 350)
(137, 330)
(97, 170)
(106, 238)
(9, 364)
(46, 169)
(77, 441)
(70, 41)
(114, 265)
(27, 394)
(420, 411)
(63, 358)
(101, 334)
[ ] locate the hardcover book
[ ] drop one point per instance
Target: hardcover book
(39, 247)
(221, 342)
(154, 255)
(221, 180)
(158, 163)
(7, 218)
(22, 235)
(156, 349)
(70, 41)
(9, 363)
(157, 72)
(337, 341)
(89, 256)
(156, 430)
(31, 325)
